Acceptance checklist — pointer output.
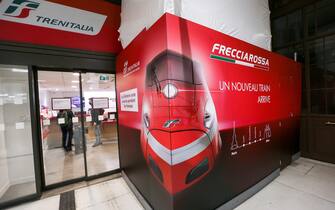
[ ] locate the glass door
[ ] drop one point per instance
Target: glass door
(61, 127)
(100, 122)
(78, 125)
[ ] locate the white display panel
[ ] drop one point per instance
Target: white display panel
(88, 118)
(61, 103)
(100, 103)
(19, 125)
(75, 119)
(61, 121)
(46, 122)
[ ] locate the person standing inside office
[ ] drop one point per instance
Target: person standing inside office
(66, 127)
(96, 123)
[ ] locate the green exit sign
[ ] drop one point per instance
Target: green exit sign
(104, 77)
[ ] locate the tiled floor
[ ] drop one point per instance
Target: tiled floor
(61, 166)
(304, 185)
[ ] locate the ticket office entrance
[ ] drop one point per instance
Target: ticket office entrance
(78, 125)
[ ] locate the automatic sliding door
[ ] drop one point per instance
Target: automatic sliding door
(101, 122)
(61, 130)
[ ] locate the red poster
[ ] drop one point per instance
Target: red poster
(203, 112)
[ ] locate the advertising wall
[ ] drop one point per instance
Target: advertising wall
(82, 24)
(203, 116)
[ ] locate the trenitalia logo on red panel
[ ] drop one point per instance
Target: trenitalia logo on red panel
(21, 8)
(51, 15)
(233, 55)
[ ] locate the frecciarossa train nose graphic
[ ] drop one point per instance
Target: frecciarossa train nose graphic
(190, 128)
(203, 116)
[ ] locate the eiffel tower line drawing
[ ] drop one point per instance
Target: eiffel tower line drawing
(234, 143)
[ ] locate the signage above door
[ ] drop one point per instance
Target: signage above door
(51, 15)
(66, 24)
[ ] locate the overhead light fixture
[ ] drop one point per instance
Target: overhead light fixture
(4, 95)
(20, 70)
(75, 74)
(74, 86)
(75, 81)
(57, 89)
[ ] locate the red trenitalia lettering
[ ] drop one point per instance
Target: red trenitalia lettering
(223, 50)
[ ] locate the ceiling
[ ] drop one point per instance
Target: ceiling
(68, 81)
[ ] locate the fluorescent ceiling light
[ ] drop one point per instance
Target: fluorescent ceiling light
(20, 70)
(75, 81)
(4, 95)
(74, 86)
(75, 74)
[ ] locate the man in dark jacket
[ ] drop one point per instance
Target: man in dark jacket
(96, 123)
(66, 128)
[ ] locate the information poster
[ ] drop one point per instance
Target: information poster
(61, 103)
(100, 103)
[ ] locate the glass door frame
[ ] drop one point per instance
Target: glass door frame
(38, 138)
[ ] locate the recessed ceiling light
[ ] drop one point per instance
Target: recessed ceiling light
(57, 89)
(20, 70)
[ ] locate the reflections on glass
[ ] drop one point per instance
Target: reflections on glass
(294, 26)
(61, 129)
(100, 122)
(17, 177)
(279, 31)
(331, 101)
(325, 17)
(316, 56)
(318, 102)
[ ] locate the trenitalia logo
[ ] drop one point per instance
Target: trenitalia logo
(51, 15)
(23, 6)
(239, 57)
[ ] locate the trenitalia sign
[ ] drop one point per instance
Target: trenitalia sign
(51, 15)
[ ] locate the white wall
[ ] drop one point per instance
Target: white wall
(248, 20)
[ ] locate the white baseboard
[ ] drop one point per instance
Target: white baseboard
(4, 188)
(22, 180)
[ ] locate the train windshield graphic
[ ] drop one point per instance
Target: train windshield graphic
(180, 138)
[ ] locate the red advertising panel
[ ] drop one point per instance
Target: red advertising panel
(81, 24)
(200, 111)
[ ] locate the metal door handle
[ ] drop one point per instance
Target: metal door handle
(330, 123)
